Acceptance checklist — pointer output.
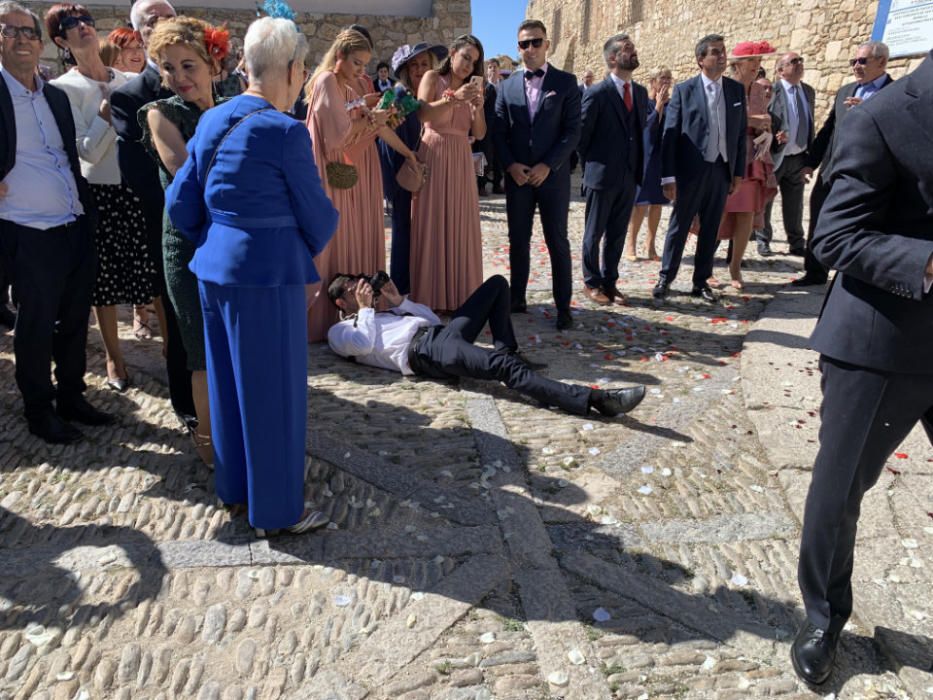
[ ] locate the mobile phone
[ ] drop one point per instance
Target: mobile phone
(477, 80)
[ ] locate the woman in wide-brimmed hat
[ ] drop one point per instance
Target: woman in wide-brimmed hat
(409, 63)
(745, 207)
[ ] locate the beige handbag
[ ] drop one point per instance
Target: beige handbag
(412, 177)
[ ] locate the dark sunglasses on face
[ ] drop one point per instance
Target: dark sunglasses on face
(525, 43)
(861, 61)
(72, 21)
(795, 61)
(10, 32)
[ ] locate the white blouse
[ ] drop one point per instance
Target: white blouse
(97, 141)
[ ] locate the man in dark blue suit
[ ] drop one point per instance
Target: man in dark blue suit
(141, 173)
(537, 128)
(47, 224)
(612, 148)
(702, 162)
(875, 339)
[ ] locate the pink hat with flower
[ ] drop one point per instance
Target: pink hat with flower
(751, 49)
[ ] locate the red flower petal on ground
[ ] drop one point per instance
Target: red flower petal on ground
(901, 455)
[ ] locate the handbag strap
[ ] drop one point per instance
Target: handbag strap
(230, 131)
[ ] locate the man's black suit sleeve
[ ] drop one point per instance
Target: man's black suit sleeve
(135, 163)
(738, 168)
(500, 133)
(589, 117)
(671, 133)
(821, 142)
(850, 234)
(570, 128)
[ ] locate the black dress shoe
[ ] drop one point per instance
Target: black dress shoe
(53, 429)
(564, 320)
(79, 410)
(808, 281)
(764, 249)
(612, 402)
(798, 252)
(813, 653)
(660, 290)
(706, 292)
(7, 317)
(519, 307)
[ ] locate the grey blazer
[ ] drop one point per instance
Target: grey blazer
(778, 108)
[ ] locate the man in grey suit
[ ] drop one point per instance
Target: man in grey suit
(869, 67)
(875, 339)
(702, 162)
(792, 102)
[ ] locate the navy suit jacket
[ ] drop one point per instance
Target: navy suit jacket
(260, 214)
(820, 154)
(686, 130)
(138, 168)
(876, 229)
(605, 138)
(555, 131)
(61, 110)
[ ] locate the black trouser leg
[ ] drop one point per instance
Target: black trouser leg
(813, 267)
(865, 415)
(554, 204)
(452, 354)
(710, 213)
(520, 212)
(53, 275)
(791, 184)
(490, 302)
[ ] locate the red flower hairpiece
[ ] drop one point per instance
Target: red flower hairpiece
(217, 41)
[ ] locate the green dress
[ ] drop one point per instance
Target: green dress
(177, 251)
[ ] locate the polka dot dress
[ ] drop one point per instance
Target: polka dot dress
(126, 272)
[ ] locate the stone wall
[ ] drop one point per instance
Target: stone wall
(450, 18)
(665, 32)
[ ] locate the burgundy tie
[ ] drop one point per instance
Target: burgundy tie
(627, 96)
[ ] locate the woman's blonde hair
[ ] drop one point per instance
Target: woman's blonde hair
(347, 42)
(402, 72)
(658, 72)
(209, 43)
(109, 52)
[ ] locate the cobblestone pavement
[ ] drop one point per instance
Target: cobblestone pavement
(480, 546)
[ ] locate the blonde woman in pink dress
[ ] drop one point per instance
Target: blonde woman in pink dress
(746, 206)
(341, 135)
(446, 245)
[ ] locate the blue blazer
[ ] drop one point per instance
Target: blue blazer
(260, 215)
(606, 141)
(686, 130)
(876, 229)
(555, 131)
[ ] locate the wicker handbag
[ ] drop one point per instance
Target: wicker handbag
(341, 176)
(412, 177)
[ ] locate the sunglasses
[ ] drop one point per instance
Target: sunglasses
(72, 21)
(796, 61)
(861, 61)
(525, 43)
(8, 31)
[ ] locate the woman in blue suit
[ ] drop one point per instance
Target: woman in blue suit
(250, 198)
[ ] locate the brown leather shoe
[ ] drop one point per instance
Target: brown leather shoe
(596, 295)
(617, 297)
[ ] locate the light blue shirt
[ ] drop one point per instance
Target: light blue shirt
(868, 89)
(42, 190)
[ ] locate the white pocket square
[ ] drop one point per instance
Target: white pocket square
(737, 104)
(552, 93)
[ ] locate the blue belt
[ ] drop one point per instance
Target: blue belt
(248, 222)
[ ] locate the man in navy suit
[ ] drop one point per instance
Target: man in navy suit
(869, 67)
(537, 128)
(875, 339)
(47, 222)
(702, 162)
(141, 173)
(612, 148)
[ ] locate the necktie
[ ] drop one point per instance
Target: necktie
(627, 96)
(802, 124)
(714, 148)
(529, 74)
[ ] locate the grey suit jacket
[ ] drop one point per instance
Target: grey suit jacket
(778, 108)
(876, 229)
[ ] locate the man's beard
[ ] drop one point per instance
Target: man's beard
(630, 63)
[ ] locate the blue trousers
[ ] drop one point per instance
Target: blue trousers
(704, 197)
(607, 216)
(399, 263)
(256, 341)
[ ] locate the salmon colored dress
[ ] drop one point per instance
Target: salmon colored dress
(358, 246)
(446, 245)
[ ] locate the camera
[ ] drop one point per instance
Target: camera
(377, 281)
